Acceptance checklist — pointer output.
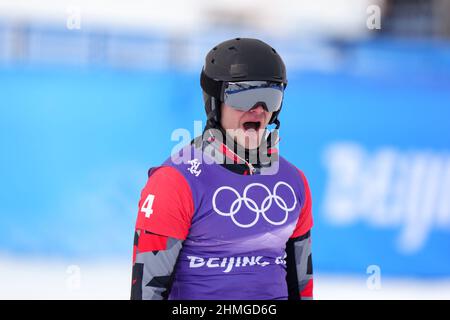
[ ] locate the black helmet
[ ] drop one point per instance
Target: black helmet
(239, 59)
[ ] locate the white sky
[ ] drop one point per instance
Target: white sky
(283, 17)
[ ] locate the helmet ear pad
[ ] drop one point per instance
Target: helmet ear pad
(207, 102)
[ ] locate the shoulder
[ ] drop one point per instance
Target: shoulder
(165, 179)
(305, 220)
(166, 204)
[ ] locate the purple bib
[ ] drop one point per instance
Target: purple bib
(236, 244)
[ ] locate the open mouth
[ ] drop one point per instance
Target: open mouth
(255, 125)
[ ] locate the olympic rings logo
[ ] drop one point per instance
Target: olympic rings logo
(253, 206)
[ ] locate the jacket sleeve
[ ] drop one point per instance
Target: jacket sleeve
(154, 260)
(299, 266)
(163, 222)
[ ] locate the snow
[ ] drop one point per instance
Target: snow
(51, 278)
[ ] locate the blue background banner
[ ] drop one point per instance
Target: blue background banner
(372, 135)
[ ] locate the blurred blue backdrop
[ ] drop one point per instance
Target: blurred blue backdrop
(372, 135)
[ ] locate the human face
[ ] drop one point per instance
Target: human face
(246, 127)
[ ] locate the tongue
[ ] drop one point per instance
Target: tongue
(251, 125)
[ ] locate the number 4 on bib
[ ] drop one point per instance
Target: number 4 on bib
(147, 206)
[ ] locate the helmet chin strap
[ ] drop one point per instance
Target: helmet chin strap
(275, 134)
(213, 115)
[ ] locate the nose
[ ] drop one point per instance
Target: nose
(258, 109)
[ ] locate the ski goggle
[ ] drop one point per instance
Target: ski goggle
(245, 95)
